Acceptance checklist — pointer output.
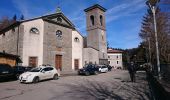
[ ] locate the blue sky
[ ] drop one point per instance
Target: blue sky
(123, 17)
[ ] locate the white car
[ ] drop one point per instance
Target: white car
(39, 73)
(103, 68)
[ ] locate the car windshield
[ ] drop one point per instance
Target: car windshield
(35, 70)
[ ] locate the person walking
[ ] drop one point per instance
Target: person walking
(132, 71)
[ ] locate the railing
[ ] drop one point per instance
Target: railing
(157, 90)
(165, 72)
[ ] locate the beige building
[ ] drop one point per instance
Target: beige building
(115, 58)
(53, 39)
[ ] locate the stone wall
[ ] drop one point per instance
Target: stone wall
(53, 45)
(8, 41)
(12, 41)
(90, 55)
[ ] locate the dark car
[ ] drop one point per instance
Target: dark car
(109, 67)
(28, 68)
(6, 72)
(88, 70)
(19, 70)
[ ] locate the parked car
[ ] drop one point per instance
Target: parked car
(103, 68)
(109, 67)
(39, 73)
(19, 70)
(28, 68)
(88, 70)
(6, 72)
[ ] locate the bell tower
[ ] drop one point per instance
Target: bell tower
(96, 28)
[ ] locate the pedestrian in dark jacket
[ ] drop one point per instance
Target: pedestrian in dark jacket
(132, 71)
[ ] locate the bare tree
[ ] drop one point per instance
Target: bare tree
(4, 22)
(147, 31)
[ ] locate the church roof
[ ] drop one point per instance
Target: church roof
(95, 6)
(45, 18)
(9, 27)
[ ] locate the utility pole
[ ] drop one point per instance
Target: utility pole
(153, 9)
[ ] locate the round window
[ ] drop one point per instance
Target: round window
(59, 33)
(59, 19)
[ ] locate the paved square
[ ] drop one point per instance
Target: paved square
(79, 88)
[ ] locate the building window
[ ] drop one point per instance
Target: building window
(108, 62)
(59, 33)
(101, 20)
(92, 20)
(117, 57)
(33, 61)
(34, 30)
(76, 39)
(117, 62)
(108, 56)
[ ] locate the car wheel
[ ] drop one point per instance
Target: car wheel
(87, 73)
(55, 77)
(36, 80)
(95, 72)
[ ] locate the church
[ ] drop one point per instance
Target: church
(53, 39)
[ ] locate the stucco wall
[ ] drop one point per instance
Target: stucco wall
(77, 48)
(90, 55)
(33, 43)
(113, 58)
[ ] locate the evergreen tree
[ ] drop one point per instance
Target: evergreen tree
(22, 17)
(14, 18)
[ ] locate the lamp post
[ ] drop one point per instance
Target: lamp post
(153, 8)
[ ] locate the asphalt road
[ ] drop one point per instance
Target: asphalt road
(111, 85)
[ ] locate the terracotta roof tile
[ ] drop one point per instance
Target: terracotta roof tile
(114, 51)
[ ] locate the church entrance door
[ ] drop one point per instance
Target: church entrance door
(58, 62)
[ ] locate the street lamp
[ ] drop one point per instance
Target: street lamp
(152, 6)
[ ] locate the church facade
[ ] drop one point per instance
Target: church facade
(53, 39)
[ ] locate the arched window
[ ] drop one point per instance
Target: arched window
(59, 33)
(101, 20)
(92, 19)
(76, 39)
(34, 30)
